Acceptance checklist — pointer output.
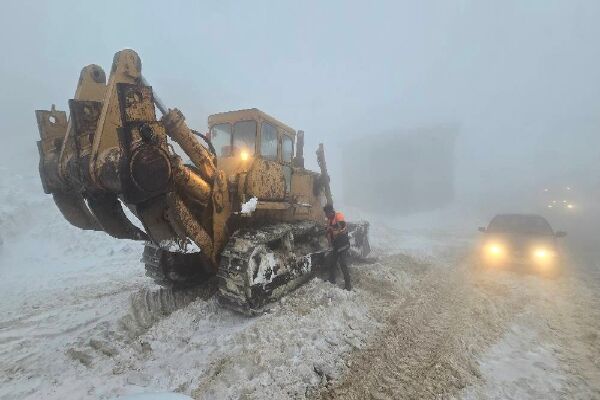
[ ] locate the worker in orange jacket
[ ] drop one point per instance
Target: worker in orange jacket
(337, 235)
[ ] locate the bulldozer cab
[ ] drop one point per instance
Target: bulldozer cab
(239, 136)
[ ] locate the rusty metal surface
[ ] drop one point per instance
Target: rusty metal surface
(52, 126)
(299, 158)
(265, 180)
(111, 217)
(136, 102)
(145, 167)
(324, 178)
(84, 120)
(154, 216)
(222, 209)
(178, 130)
(126, 68)
(190, 183)
(92, 83)
(73, 207)
(90, 87)
(189, 222)
(273, 205)
(150, 169)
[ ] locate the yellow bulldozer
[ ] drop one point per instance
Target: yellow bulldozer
(241, 206)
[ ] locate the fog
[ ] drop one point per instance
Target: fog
(520, 78)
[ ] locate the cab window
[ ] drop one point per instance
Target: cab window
(244, 137)
(287, 148)
(220, 136)
(268, 141)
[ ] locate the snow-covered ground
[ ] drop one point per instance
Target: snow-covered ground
(550, 347)
(79, 320)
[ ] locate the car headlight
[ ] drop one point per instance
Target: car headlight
(540, 253)
(494, 249)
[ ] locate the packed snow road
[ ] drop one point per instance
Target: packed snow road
(470, 333)
(78, 320)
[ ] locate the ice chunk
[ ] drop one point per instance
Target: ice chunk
(250, 206)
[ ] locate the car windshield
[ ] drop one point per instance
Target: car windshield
(530, 224)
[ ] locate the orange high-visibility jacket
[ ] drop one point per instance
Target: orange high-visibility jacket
(333, 224)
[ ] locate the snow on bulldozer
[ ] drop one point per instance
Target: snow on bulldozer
(243, 208)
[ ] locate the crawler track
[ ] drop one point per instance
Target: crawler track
(258, 265)
(175, 270)
(261, 265)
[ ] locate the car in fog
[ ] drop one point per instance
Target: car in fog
(523, 240)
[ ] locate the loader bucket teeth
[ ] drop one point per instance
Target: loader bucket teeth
(110, 215)
(73, 208)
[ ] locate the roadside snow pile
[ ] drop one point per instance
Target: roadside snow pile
(296, 347)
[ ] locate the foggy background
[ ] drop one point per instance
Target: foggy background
(520, 78)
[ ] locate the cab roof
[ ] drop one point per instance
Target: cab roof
(245, 115)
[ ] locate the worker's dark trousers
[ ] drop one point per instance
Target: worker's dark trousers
(335, 257)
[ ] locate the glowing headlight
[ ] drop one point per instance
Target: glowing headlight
(494, 249)
(244, 155)
(540, 253)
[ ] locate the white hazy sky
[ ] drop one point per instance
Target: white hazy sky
(522, 78)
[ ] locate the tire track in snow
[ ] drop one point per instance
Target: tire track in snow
(432, 340)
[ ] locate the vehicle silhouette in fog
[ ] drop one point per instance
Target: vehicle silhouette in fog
(523, 241)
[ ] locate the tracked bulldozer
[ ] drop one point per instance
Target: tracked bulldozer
(240, 206)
